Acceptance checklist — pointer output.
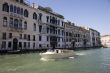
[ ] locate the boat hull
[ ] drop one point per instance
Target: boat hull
(57, 55)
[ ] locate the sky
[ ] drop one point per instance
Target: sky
(91, 13)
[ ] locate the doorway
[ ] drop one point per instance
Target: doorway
(15, 44)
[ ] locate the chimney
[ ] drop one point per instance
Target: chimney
(34, 5)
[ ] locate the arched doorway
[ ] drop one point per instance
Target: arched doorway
(15, 44)
(73, 45)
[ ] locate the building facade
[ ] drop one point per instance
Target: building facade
(29, 27)
(25, 26)
(95, 40)
(105, 40)
(68, 34)
(81, 37)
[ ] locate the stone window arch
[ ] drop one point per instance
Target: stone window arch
(26, 13)
(11, 8)
(21, 1)
(34, 27)
(25, 25)
(20, 24)
(5, 21)
(21, 11)
(15, 9)
(18, 10)
(5, 7)
(16, 23)
(40, 16)
(34, 16)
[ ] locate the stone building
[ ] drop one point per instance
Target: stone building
(105, 40)
(68, 34)
(76, 36)
(81, 37)
(95, 40)
(25, 26)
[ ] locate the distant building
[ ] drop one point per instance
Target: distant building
(105, 40)
(68, 34)
(94, 38)
(81, 36)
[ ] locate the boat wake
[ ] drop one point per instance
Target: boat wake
(43, 59)
(80, 54)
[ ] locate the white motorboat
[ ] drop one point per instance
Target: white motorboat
(57, 54)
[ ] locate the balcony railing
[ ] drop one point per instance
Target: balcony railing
(15, 29)
(16, 15)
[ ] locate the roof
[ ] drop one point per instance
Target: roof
(51, 12)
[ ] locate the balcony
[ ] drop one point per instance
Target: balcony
(16, 15)
(15, 29)
(50, 24)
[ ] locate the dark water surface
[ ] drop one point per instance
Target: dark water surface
(89, 61)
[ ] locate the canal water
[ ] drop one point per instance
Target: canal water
(88, 61)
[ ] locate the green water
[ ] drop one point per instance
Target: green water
(89, 61)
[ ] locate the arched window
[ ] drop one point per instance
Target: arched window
(17, 0)
(15, 9)
(21, 1)
(4, 21)
(11, 8)
(11, 22)
(25, 25)
(21, 11)
(20, 24)
(16, 23)
(34, 27)
(26, 13)
(18, 10)
(34, 16)
(5, 7)
(40, 16)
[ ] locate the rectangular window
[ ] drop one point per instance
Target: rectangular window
(47, 38)
(40, 29)
(47, 19)
(47, 45)
(58, 39)
(34, 38)
(5, 22)
(28, 44)
(34, 27)
(58, 22)
(66, 33)
(47, 30)
(28, 37)
(15, 9)
(4, 36)
(62, 32)
(11, 22)
(25, 25)
(24, 44)
(40, 46)
(33, 45)
(20, 45)
(20, 36)
(40, 38)
(10, 35)
(62, 23)
(59, 31)
(3, 45)
(9, 44)
(20, 24)
(25, 36)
